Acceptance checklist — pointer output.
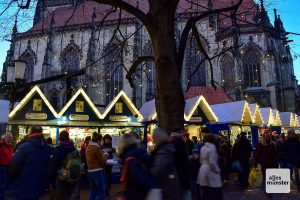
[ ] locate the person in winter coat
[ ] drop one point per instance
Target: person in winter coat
(195, 166)
(242, 153)
(188, 143)
(209, 176)
(265, 154)
(83, 149)
(136, 178)
(163, 167)
(28, 169)
(64, 189)
(181, 162)
(291, 151)
(96, 161)
(280, 154)
(107, 146)
(6, 155)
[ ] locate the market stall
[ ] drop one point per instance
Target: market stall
(34, 109)
(233, 118)
(79, 117)
(121, 116)
(197, 114)
(148, 111)
(288, 121)
(257, 122)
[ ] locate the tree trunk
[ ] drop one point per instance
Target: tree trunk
(169, 96)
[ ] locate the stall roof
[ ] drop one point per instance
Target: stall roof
(296, 122)
(233, 112)
(4, 107)
(85, 96)
(276, 118)
(267, 115)
(192, 104)
(286, 118)
(256, 114)
(122, 95)
(25, 100)
(148, 110)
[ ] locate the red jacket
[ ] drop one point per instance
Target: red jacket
(6, 153)
(83, 148)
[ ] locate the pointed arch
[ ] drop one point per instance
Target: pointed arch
(227, 71)
(195, 73)
(70, 57)
(252, 62)
(113, 69)
(30, 58)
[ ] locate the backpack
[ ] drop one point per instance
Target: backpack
(71, 169)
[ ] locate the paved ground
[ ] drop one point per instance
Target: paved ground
(231, 192)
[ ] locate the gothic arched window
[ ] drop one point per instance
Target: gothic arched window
(70, 60)
(251, 67)
(227, 70)
(113, 68)
(196, 72)
(29, 70)
(150, 71)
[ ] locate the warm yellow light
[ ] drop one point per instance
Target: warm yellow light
(80, 91)
(28, 97)
(128, 102)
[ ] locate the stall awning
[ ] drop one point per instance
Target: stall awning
(287, 119)
(198, 104)
(256, 115)
(233, 112)
(4, 111)
(148, 110)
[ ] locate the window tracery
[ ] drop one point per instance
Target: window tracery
(227, 70)
(251, 67)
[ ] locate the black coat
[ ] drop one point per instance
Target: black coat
(139, 178)
(291, 151)
(243, 149)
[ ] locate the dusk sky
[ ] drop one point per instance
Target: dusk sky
(289, 10)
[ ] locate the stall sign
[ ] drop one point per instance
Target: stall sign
(74, 117)
(119, 118)
(79, 106)
(196, 119)
(36, 116)
(37, 105)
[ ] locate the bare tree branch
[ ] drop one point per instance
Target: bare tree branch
(191, 21)
(127, 7)
(134, 66)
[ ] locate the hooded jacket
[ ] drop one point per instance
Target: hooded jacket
(28, 170)
(139, 178)
(59, 155)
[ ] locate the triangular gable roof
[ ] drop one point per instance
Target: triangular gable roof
(255, 112)
(286, 118)
(127, 101)
(192, 104)
(296, 122)
(267, 115)
(276, 118)
(148, 110)
(237, 111)
(88, 100)
(28, 97)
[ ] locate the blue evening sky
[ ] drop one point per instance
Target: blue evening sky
(289, 10)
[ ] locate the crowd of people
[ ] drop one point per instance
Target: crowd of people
(172, 166)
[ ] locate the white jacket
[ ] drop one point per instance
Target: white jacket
(209, 173)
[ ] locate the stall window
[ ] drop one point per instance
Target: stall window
(119, 108)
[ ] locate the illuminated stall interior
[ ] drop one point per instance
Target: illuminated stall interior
(121, 116)
(197, 113)
(233, 118)
(34, 109)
